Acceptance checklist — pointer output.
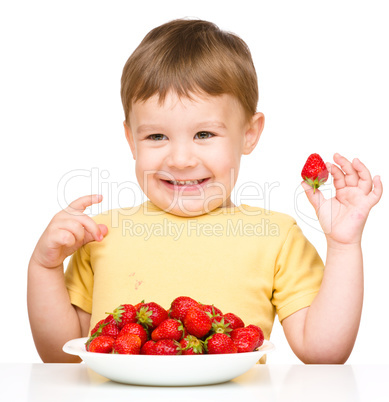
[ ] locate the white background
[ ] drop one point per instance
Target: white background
(323, 83)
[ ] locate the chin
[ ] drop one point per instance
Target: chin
(184, 209)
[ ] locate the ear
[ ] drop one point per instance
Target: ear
(253, 133)
(130, 138)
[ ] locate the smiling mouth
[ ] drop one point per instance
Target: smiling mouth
(185, 182)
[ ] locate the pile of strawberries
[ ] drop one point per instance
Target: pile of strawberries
(187, 328)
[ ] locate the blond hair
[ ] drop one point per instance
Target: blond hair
(190, 56)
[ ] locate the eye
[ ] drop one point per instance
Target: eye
(203, 135)
(156, 137)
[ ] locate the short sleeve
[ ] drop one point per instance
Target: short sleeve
(79, 280)
(298, 274)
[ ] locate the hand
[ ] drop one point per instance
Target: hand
(68, 230)
(343, 217)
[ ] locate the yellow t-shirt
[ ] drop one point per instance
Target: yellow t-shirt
(245, 260)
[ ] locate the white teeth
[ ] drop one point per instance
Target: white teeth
(185, 182)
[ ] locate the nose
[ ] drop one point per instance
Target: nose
(182, 156)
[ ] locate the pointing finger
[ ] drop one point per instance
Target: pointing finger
(77, 207)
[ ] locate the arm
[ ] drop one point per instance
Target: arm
(53, 319)
(326, 331)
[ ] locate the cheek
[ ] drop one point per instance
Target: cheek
(141, 169)
(225, 160)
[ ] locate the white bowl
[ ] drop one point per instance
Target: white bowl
(178, 370)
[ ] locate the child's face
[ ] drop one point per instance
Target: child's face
(185, 140)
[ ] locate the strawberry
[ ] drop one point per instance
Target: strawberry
(124, 314)
(137, 306)
(220, 325)
(96, 327)
(148, 348)
(109, 319)
(168, 329)
(211, 309)
(180, 307)
(197, 322)
(220, 344)
(150, 315)
(136, 329)
(167, 347)
(233, 320)
(314, 172)
(128, 344)
(110, 330)
(260, 332)
(103, 328)
(245, 339)
(101, 344)
(216, 316)
(190, 345)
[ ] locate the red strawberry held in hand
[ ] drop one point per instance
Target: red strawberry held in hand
(314, 172)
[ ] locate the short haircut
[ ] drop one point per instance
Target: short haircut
(187, 57)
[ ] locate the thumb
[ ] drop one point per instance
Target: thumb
(315, 196)
(89, 236)
(104, 229)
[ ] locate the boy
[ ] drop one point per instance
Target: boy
(189, 94)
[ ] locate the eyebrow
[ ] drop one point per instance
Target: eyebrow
(211, 123)
(144, 128)
(156, 128)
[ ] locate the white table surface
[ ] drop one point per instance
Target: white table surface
(314, 383)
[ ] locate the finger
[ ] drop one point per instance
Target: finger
(365, 181)
(90, 229)
(63, 237)
(351, 177)
(77, 207)
(315, 197)
(376, 194)
(103, 229)
(74, 227)
(89, 236)
(338, 176)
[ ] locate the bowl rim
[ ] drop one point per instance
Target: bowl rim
(74, 347)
